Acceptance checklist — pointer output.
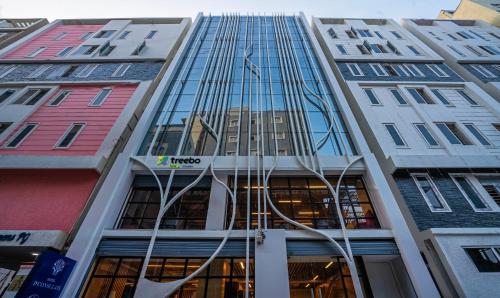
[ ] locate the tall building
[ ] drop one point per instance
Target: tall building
(12, 30)
(436, 138)
(485, 10)
(470, 47)
(247, 176)
(70, 95)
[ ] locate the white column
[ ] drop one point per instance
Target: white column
(217, 205)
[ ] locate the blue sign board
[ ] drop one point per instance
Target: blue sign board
(48, 277)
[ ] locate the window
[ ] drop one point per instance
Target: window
(490, 50)
(332, 33)
(5, 94)
(139, 49)
(35, 52)
(491, 185)
(352, 34)
(341, 49)
(371, 95)
(470, 193)
(86, 35)
(477, 134)
(420, 96)
(474, 50)
(39, 71)
(6, 69)
(378, 35)
(379, 70)
(456, 51)
(441, 97)
(437, 70)
(495, 125)
(282, 152)
(100, 97)
(483, 71)
(435, 36)
(106, 49)
(232, 139)
(363, 50)
(390, 70)
(354, 69)
(452, 133)
(85, 50)
(397, 35)
(279, 136)
(31, 96)
(397, 95)
(393, 48)
(278, 119)
(4, 126)
(233, 123)
(486, 259)
(452, 36)
(124, 35)
(104, 34)
(121, 70)
(465, 35)
(413, 70)
(426, 134)
(403, 70)
(479, 35)
(394, 133)
(21, 135)
(414, 50)
(230, 153)
(467, 98)
(56, 100)
(67, 71)
(70, 135)
(64, 52)
(60, 35)
(86, 71)
(494, 35)
(430, 192)
(364, 33)
(151, 34)
(378, 48)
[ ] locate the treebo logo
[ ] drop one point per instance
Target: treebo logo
(176, 163)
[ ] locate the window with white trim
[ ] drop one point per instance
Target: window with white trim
(39, 71)
(379, 70)
(278, 119)
(104, 33)
(354, 69)
(6, 94)
(60, 97)
(151, 34)
(6, 69)
(490, 50)
(233, 123)
(70, 135)
(21, 135)
(100, 97)
(279, 136)
(121, 70)
(403, 70)
(466, 97)
(64, 52)
(398, 96)
(232, 139)
(465, 35)
(483, 71)
(397, 35)
(86, 35)
(471, 194)
(477, 134)
(4, 126)
(437, 70)
(124, 34)
(395, 135)
(371, 96)
(420, 95)
(332, 33)
(414, 50)
(430, 192)
(474, 51)
(31, 96)
(441, 97)
(85, 50)
(391, 70)
(413, 69)
(86, 71)
(282, 152)
(341, 49)
(35, 52)
(456, 51)
(454, 135)
(363, 50)
(491, 184)
(486, 259)
(426, 134)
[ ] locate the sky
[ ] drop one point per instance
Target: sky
(60, 9)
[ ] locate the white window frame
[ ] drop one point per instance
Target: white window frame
(232, 122)
(88, 68)
(344, 52)
(279, 135)
(461, 131)
(57, 146)
(8, 99)
(40, 70)
(437, 99)
(232, 139)
(57, 95)
(402, 96)
(119, 69)
(356, 66)
(483, 71)
(413, 70)
(474, 51)
(19, 132)
(430, 132)
(63, 53)
(26, 89)
(8, 70)
(36, 52)
(379, 74)
(464, 99)
(151, 34)
(124, 34)
(86, 35)
(415, 51)
(278, 119)
(439, 196)
(404, 70)
(378, 103)
(474, 183)
(490, 145)
(437, 70)
(91, 103)
(398, 132)
(456, 51)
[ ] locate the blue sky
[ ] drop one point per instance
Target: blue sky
(53, 9)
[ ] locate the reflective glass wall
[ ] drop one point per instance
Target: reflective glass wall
(248, 85)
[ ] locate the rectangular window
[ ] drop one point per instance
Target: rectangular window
(452, 133)
(413, 69)
(341, 49)
(70, 135)
(397, 95)
(86, 35)
(494, 35)
(332, 33)
(490, 50)
(278, 119)
(279, 136)
(420, 96)
(138, 50)
(430, 193)
(64, 52)
(233, 123)
(124, 35)
(151, 34)
(21, 135)
(85, 50)
(391, 70)
(486, 259)
(378, 35)
(394, 133)
(467, 98)
(465, 35)
(441, 97)
(479, 35)
(282, 152)
(453, 37)
(437, 70)
(378, 69)
(56, 100)
(104, 34)
(474, 50)
(470, 193)
(352, 34)
(363, 50)
(6, 69)
(60, 36)
(232, 139)
(397, 35)
(414, 50)
(68, 70)
(378, 48)
(364, 33)
(121, 70)
(100, 97)
(354, 69)
(393, 48)
(491, 185)
(31, 96)
(5, 94)
(371, 95)
(426, 134)
(404, 70)
(456, 51)
(39, 71)
(35, 52)
(86, 71)
(483, 71)
(435, 36)
(477, 134)
(4, 126)
(106, 49)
